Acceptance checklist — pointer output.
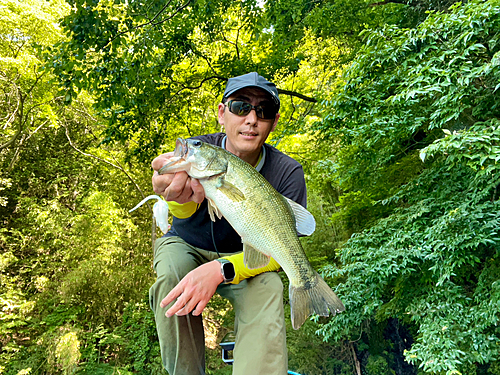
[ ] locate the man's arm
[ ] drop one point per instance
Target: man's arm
(242, 272)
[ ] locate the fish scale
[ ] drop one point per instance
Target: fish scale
(262, 217)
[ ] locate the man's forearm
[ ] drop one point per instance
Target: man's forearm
(242, 272)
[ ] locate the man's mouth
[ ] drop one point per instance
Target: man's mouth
(248, 134)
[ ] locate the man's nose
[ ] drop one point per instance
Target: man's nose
(252, 118)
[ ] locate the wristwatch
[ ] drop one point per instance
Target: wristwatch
(226, 270)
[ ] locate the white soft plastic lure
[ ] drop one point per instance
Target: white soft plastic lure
(160, 211)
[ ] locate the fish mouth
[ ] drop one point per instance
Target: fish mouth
(181, 148)
(175, 163)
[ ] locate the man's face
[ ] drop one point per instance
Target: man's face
(246, 134)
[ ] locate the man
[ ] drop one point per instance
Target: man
(198, 257)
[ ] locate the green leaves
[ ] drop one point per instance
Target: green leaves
(421, 265)
(27, 103)
(410, 81)
(478, 147)
(420, 104)
(158, 71)
(402, 158)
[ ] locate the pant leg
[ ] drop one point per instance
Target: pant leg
(259, 325)
(181, 338)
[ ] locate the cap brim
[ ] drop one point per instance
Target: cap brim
(231, 92)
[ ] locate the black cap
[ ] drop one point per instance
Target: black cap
(251, 80)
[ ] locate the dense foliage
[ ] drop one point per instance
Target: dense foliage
(419, 120)
(72, 262)
(391, 106)
(156, 70)
(142, 62)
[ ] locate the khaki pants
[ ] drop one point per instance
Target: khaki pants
(259, 324)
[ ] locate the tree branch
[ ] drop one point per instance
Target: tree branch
(296, 94)
(106, 162)
(37, 129)
(11, 120)
(16, 153)
(201, 83)
(385, 2)
(174, 14)
(26, 137)
(232, 43)
(14, 137)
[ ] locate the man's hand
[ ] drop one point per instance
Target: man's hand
(178, 187)
(194, 291)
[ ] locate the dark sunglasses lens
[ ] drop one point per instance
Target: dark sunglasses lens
(240, 108)
(243, 108)
(266, 113)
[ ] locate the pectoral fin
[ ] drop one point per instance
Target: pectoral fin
(213, 211)
(229, 190)
(304, 220)
(253, 258)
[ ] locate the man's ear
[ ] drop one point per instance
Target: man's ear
(275, 121)
(220, 111)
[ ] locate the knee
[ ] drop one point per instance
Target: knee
(172, 261)
(170, 271)
(163, 285)
(272, 284)
(166, 282)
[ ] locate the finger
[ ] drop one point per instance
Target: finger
(174, 293)
(178, 184)
(180, 188)
(176, 307)
(161, 160)
(199, 308)
(161, 182)
(187, 308)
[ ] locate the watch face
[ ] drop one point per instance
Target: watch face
(228, 271)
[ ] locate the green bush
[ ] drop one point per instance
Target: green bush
(426, 95)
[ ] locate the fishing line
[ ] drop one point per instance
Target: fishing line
(213, 238)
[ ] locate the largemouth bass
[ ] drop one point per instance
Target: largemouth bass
(266, 221)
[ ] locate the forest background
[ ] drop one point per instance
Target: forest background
(392, 107)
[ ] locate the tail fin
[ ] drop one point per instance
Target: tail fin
(319, 299)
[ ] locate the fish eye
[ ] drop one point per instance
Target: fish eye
(196, 143)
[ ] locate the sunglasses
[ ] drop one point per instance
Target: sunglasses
(241, 108)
